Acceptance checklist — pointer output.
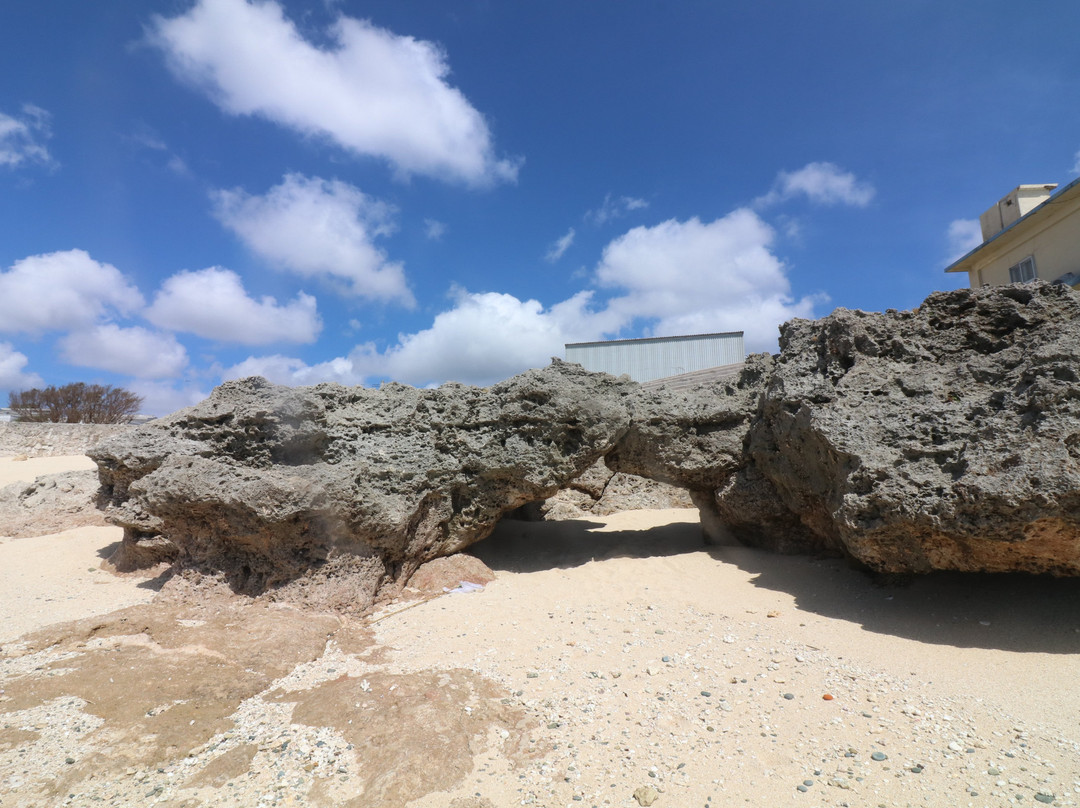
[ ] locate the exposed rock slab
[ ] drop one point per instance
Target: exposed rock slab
(50, 504)
(325, 494)
(947, 437)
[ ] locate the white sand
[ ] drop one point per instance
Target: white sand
(986, 664)
(52, 579)
(26, 471)
(55, 578)
(969, 685)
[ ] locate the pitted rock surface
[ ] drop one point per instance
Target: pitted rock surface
(601, 492)
(50, 504)
(328, 494)
(947, 437)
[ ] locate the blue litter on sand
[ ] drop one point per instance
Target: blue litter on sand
(466, 586)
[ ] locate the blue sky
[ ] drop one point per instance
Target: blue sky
(430, 191)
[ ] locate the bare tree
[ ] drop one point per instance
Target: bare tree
(76, 403)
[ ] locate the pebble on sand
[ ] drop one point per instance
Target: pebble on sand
(646, 795)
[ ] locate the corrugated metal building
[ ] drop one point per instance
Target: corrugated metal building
(644, 360)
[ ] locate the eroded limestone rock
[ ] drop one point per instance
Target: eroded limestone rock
(599, 491)
(947, 437)
(50, 504)
(326, 494)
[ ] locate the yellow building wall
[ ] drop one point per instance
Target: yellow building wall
(1055, 245)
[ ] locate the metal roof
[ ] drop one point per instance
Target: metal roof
(653, 339)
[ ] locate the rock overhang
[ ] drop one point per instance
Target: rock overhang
(945, 437)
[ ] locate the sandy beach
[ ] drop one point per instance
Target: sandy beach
(29, 469)
(612, 662)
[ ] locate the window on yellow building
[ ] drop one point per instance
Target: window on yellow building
(1024, 271)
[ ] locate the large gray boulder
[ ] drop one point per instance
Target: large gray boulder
(328, 494)
(694, 438)
(947, 437)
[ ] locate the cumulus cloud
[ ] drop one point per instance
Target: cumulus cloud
(560, 246)
(13, 373)
(677, 277)
(695, 277)
(1076, 164)
(317, 227)
(482, 339)
(213, 304)
(132, 351)
(673, 278)
(613, 208)
(293, 372)
(964, 235)
(370, 91)
(822, 184)
(22, 137)
(164, 397)
(62, 291)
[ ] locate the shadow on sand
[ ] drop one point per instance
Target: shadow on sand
(154, 584)
(1010, 612)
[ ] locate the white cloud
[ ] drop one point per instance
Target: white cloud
(1076, 164)
(434, 229)
(213, 304)
(964, 235)
(22, 138)
(560, 246)
(62, 290)
(132, 351)
(677, 277)
(164, 397)
(484, 338)
(13, 374)
(674, 278)
(821, 183)
(288, 370)
(370, 91)
(614, 208)
(694, 277)
(317, 227)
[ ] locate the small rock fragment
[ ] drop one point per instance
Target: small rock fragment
(646, 795)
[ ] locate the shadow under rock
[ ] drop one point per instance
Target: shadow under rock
(1000, 611)
(516, 546)
(157, 582)
(153, 584)
(108, 550)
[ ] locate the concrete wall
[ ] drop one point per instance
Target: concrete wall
(49, 440)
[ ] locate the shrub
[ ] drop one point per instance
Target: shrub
(76, 403)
